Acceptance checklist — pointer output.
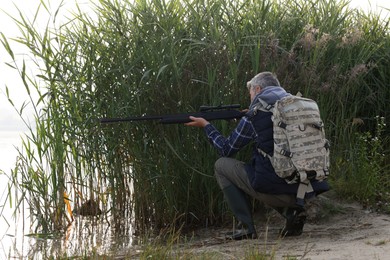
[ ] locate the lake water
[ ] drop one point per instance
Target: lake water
(8, 232)
(85, 236)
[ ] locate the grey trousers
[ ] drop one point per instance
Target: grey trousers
(229, 171)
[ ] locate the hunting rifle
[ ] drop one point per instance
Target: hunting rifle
(207, 112)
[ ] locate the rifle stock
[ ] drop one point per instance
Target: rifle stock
(207, 112)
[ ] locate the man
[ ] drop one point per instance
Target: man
(256, 178)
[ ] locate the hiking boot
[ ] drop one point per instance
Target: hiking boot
(295, 220)
(241, 233)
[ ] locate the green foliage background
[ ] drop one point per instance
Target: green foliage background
(161, 57)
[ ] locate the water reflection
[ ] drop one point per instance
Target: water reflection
(89, 235)
(86, 236)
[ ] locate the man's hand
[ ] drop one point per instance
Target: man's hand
(197, 122)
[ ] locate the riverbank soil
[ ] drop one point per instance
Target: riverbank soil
(334, 230)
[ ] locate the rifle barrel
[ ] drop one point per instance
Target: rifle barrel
(211, 113)
(129, 119)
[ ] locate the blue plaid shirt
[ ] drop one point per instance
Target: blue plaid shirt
(243, 134)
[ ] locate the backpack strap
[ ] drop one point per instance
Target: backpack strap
(261, 105)
(303, 188)
(264, 105)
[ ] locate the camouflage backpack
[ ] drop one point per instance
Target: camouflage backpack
(301, 151)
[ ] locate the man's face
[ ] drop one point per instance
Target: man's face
(253, 91)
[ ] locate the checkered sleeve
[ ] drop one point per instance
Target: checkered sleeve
(240, 136)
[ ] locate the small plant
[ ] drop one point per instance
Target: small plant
(365, 174)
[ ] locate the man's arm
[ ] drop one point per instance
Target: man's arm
(241, 136)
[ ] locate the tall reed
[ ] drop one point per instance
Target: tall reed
(157, 57)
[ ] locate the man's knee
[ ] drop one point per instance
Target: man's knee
(224, 165)
(220, 171)
(219, 165)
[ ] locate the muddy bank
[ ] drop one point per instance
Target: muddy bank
(335, 230)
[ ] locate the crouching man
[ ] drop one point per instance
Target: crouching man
(257, 178)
